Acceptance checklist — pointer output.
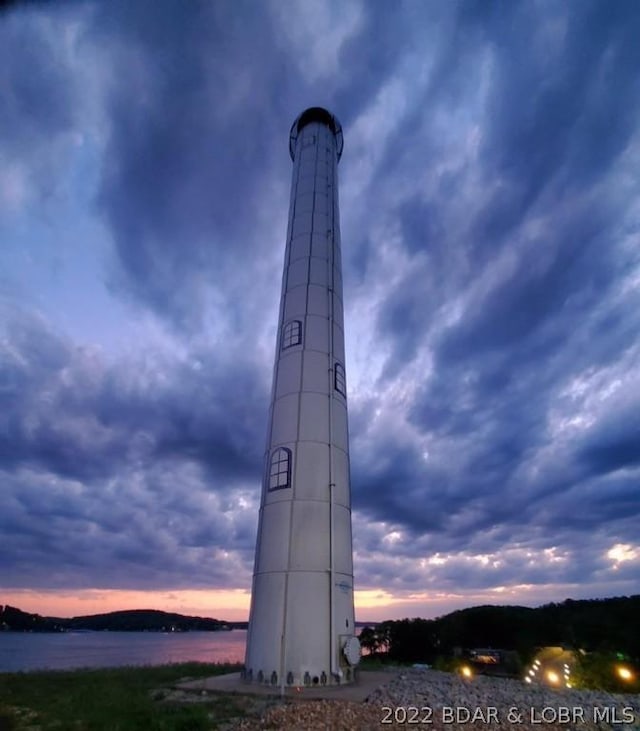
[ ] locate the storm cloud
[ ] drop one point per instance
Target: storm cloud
(489, 220)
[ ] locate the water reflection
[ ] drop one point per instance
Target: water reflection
(32, 651)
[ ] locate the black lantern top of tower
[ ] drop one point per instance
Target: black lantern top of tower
(316, 114)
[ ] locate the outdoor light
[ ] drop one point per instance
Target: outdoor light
(624, 673)
(553, 677)
(466, 671)
(527, 679)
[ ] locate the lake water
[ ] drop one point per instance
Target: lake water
(66, 650)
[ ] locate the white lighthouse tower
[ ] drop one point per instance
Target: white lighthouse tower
(301, 625)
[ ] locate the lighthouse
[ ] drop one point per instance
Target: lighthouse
(301, 622)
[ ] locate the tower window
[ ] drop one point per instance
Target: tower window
(291, 334)
(280, 469)
(339, 379)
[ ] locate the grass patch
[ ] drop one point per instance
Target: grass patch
(111, 699)
(380, 662)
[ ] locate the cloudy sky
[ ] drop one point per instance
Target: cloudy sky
(490, 210)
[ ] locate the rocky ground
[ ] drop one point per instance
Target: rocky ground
(428, 698)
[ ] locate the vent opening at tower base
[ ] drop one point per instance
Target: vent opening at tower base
(272, 678)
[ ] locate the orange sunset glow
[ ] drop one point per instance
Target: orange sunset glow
(372, 605)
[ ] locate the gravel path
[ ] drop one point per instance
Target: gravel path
(436, 700)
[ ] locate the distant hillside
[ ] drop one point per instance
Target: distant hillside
(15, 620)
(592, 624)
(604, 625)
(134, 620)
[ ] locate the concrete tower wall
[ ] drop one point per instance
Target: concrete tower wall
(302, 599)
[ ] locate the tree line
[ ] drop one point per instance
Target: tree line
(594, 625)
(134, 620)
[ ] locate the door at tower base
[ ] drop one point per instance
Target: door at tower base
(301, 623)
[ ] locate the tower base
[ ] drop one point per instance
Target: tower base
(307, 679)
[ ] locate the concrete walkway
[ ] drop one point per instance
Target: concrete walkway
(367, 682)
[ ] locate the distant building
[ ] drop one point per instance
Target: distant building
(486, 657)
(493, 661)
